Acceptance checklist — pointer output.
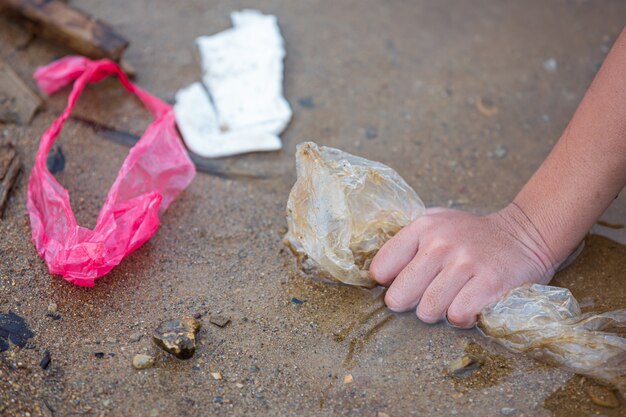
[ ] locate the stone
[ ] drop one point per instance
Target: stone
(56, 160)
(52, 308)
(135, 337)
(45, 361)
(486, 106)
(371, 132)
(177, 337)
(219, 321)
(348, 379)
(550, 65)
(500, 151)
(507, 411)
(142, 361)
(603, 396)
(464, 366)
(306, 102)
(216, 375)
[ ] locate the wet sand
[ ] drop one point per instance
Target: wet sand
(395, 81)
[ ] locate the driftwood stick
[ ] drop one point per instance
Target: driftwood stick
(205, 165)
(59, 22)
(8, 180)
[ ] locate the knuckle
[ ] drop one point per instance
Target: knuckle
(424, 222)
(438, 246)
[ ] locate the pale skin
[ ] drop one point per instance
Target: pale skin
(450, 263)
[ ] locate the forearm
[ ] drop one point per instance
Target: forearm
(587, 167)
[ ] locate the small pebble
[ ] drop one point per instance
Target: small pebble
(296, 301)
(216, 375)
(486, 106)
(464, 366)
(45, 361)
(106, 403)
(371, 133)
(142, 361)
(154, 412)
(507, 411)
(177, 337)
(218, 399)
(220, 321)
(306, 102)
(239, 385)
(254, 368)
(500, 151)
(56, 160)
(52, 308)
(99, 355)
(550, 65)
(348, 379)
(135, 337)
(381, 414)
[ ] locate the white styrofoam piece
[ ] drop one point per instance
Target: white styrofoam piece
(243, 72)
(198, 123)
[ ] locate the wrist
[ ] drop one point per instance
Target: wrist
(514, 220)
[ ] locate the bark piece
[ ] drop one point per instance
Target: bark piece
(18, 103)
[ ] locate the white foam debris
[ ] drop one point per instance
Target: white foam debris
(240, 108)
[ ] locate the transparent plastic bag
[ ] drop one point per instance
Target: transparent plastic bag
(342, 209)
(155, 171)
(546, 322)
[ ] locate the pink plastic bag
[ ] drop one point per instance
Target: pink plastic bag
(155, 171)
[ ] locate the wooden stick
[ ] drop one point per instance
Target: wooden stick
(55, 20)
(8, 181)
(205, 165)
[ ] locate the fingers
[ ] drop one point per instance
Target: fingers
(401, 249)
(473, 297)
(394, 255)
(407, 289)
(441, 293)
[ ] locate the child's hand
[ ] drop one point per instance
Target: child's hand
(454, 262)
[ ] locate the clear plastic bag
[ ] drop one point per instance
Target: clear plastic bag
(546, 322)
(342, 209)
(155, 171)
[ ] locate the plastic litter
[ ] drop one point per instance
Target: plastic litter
(547, 323)
(342, 209)
(239, 106)
(155, 171)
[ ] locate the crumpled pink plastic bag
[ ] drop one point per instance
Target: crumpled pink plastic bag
(155, 171)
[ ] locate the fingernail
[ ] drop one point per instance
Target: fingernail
(457, 326)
